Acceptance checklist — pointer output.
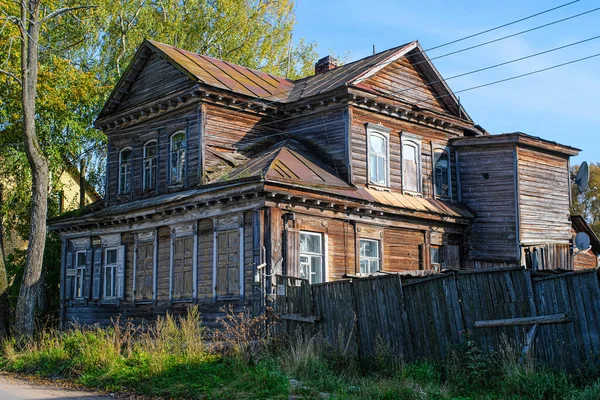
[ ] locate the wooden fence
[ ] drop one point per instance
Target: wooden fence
(418, 318)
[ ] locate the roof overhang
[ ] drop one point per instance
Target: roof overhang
(516, 139)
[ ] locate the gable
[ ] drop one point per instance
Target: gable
(152, 79)
(404, 81)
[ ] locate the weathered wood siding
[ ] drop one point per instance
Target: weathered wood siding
(543, 197)
(487, 181)
(156, 79)
(160, 129)
(585, 260)
(403, 80)
(403, 250)
(429, 136)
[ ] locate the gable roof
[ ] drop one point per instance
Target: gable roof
(259, 85)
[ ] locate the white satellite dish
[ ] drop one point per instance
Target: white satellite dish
(582, 179)
(582, 241)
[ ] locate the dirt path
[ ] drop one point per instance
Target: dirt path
(13, 388)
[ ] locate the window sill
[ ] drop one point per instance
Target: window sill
(410, 192)
(112, 302)
(172, 188)
(143, 302)
(379, 187)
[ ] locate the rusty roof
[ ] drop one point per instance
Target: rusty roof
(228, 76)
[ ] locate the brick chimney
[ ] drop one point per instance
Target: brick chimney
(325, 64)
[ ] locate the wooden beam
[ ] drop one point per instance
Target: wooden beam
(297, 317)
(541, 320)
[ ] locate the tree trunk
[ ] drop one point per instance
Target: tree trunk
(4, 305)
(26, 305)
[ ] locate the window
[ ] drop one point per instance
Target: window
(369, 256)
(378, 159)
(124, 171)
(441, 177)
(177, 158)
(110, 269)
(411, 164)
(435, 254)
(150, 152)
(80, 260)
(311, 257)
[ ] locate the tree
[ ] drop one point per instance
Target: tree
(587, 204)
(4, 306)
(29, 22)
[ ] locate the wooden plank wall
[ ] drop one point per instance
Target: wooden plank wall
(428, 135)
(544, 186)
(494, 230)
(419, 318)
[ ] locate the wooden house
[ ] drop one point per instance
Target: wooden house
(219, 176)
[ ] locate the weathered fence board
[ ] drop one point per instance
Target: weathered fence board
(334, 304)
(571, 345)
(413, 319)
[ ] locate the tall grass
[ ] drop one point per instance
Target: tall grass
(174, 358)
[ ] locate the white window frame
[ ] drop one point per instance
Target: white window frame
(311, 255)
(439, 149)
(379, 257)
(412, 140)
(78, 279)
(152, 167)
(105, 269)
(384, 133)
(180, 167)
(125, 175)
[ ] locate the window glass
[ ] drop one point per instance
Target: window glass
(410, 167)
(110, 268)
(150, 152)
(442, 174)
(369, 256)
(177, 163)
(311, 257)
(80, 260)
(377, 159)
(124, 171)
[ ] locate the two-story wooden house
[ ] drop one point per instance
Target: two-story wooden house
(220, 176)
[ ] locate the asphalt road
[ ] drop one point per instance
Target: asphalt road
(12, 388)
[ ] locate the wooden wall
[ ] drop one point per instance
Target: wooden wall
(401, 79)
(161, 130)
(544, 205)
(90, 312)
(494, 232)
(429, 136)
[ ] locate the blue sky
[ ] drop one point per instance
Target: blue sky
(561, 105)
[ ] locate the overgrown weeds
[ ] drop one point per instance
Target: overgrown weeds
(174, 357)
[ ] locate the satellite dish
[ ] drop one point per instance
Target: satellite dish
(582, 241)
(582, 179)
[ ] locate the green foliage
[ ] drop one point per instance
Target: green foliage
(588, 204)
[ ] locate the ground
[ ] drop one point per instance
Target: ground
(13, 388)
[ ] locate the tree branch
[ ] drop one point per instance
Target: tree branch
(10, 74)
(62, 11)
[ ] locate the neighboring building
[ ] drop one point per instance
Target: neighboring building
(585, 258)
(220, 176)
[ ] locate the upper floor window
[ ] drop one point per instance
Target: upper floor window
(125, 171)
(411, 164)
(177, 158)
(311, 257)
(378, 155)
(441, 175)
(150, 152)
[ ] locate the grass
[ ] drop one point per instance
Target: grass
(173, 359)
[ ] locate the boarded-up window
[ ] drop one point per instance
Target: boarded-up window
(228, 263)
(144, 272)
(183, 268)
(411, 166)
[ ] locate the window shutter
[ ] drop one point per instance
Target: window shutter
(87, 274)
(68, 279)
(120, 275)
(292, 252)
(97, 274)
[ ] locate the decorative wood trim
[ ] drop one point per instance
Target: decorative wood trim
(111, 240)
(81, 243)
